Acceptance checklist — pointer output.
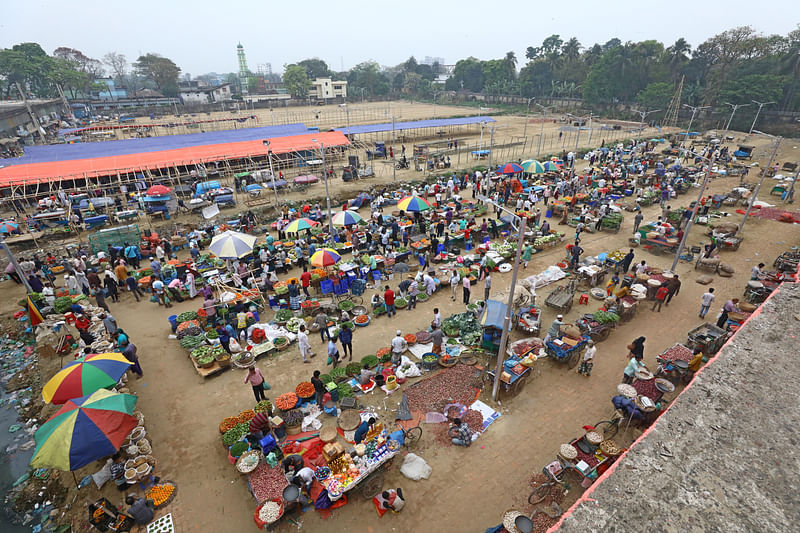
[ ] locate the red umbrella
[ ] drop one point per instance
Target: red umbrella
(158, 190)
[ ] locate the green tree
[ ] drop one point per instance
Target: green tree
(296, 81)
(467, 75)
(315, 68)
(655, 96)
(161, 71)
(761, 87)
(30, 66)
(368, 75)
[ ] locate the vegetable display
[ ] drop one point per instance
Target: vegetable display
(361, 319)
(239, 448)
(190, 327)
(294, 324)
(400, 303)
(186, 316)
(338, 373)
(235, 434)
(352, 369)
(189, 342)
(246, 416)
(304, 390)
(384, 351)
(280, 341)
(62, 304)
(346, 305)
(345, 391)
(283, 315)
(293, 418)
(325, 378)
(287, 401)
(385, 358)
(410, 338)
(228, 423)
(269, 512)
(604, 317)
(264, 406)
(369, 360)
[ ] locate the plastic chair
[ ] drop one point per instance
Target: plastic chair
(584, 299)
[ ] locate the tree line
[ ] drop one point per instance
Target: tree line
(39, 74)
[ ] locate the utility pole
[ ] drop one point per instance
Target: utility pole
(327, 193)
(394, 155)
(541, 131)
(31, 113)
(509, 311)
(709, 162)
(527, 110)
(789, 196)
(642, 114)
(271, 173)
(761, 181)
(694, 109)
(591, 115)
(491, 146)
(760, 105)
(434, 104)
(730, 119)
(13, 261)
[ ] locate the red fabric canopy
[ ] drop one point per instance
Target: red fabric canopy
(109, 166)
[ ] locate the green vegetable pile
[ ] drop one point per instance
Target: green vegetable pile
(187, 315)
(350, 325)
(346, 305)
(369, 360)
(190, 342)
(201, 351)
(386, 357)
(603, 317)
(325, 378)
(429, 358)
(283, 315)
(345, 391)
(280, 341)
(294, 324)
(338, 373)
(62, 304)
(352, 369)
(378, 311)
(239, 448)
(230, 437)
(212, 334)
(461, 325)
(400, 303)
(421, 297)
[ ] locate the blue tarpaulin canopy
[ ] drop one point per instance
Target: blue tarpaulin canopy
(493, 314)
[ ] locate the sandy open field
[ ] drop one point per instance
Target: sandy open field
(470, 488)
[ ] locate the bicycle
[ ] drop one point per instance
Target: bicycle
(411, 435)
(541, 491)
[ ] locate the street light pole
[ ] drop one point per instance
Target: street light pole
(509, 310)
(271, 173)
(760, 105)
(734, 108)
(763, 175)
(643, 114)
(434, 104)
(327, 193)
(527, 110)
(709, 162)
(694, 109)
(541, 131)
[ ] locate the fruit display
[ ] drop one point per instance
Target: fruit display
(361, 320)
(228, 423)
(264, 406)
(287, 401)
(161, 494)
(410, 338)
(304, 390)
(384, 351)
(246, 416)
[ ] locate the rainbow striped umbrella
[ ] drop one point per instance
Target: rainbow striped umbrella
(9, 227)
(346, 218)
(509, 168)
(549, 166)
(84, 429)
(325, 258)
(532, 166)
(413, 203)
(301, 224)
(232, 245)
(84, 376)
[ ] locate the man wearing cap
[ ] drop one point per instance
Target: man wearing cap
(399, 345)
(555, 329)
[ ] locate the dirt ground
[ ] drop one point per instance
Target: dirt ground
(183, 411)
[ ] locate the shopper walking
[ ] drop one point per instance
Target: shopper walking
(705, 302)
(304, 345)
(466, 285)
(256, 380)
(346, 338)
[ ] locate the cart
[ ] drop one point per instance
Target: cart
(730, 243)
(593, 329)
(659, 246)
(564, 352)
(491, 320)
(591, 276)
(561, 297)
(787, 262)
(707, 337)
(517, 378)
(612, 222)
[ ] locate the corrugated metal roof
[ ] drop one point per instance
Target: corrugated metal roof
(398, 126)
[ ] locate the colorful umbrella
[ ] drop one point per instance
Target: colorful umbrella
(84, 429)
(413, 203)
(549, 166)
(346, 218)
(232, 245)
(509, 168)
(9, 227)
(158, 190)
(532, 166)
(84, 376)
(296, 226)
(325, 258)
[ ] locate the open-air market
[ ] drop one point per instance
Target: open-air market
(402, 312)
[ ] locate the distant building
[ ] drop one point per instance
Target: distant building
(431, 60)
(111, 92)
(15, 121)
(324, 88)
(198, 93)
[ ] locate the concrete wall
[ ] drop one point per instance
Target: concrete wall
(724, 457)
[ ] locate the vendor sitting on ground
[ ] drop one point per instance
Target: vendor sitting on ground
(389, 500)
(460, 433)
(362, 430)
(140, 509)
(117, 469)
(294, 463)
(377, 301)
(366, 375)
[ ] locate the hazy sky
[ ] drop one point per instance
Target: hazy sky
(202, 36)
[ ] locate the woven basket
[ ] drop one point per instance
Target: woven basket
(567, 451)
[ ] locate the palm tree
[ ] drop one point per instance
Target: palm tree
(511, 58)
(677, 57)
(531, 53)
(571, 50)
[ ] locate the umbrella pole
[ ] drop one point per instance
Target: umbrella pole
(75, 478)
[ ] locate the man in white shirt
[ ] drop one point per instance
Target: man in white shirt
(304, 478)
(641, 268)
(454, 279)
(399, 345)
(585, 367)
(705, 302)
(304, 345)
